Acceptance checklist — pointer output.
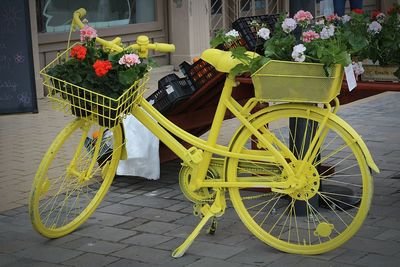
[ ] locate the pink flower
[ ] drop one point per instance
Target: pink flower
(308, 36)
(332, 18)
(302, 15)
(87, 32)
(129, 60)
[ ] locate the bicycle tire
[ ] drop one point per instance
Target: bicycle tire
(272, 216)
(63, 194)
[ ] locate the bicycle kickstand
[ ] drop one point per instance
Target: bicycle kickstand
(216, 209)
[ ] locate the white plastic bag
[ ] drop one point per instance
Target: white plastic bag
(326, 7)
(142, 149)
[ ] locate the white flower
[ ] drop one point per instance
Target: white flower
(331, 30)
(324, 34)
(289, 25)
(380, 17)
(264, 33)
(300, 48)
(346, 18)
(375, 27)
(298, 53)
(232, 33)
(358, 68)
(327, 32)
(320, 22)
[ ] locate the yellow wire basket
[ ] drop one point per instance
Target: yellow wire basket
(285, 81)
(85, 103)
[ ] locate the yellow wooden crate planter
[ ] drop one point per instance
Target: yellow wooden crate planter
(285, 81)
(88, 104)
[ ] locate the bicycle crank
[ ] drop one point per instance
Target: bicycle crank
(200, 195)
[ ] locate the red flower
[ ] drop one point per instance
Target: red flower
(101, 67)
(374, 14)
(78, 52)
(394, 9)
(358, 11)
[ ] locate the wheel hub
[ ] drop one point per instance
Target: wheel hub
(307, 183)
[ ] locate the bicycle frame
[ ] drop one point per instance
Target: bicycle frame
(200, 154)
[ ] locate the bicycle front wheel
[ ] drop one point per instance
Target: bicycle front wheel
(73, 177)
(329, 207)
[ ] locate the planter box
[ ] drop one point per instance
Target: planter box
(379, 73)
(287, 81)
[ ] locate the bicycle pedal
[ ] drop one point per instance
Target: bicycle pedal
(213, 227)
(197, 209)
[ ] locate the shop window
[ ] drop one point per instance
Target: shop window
(55, 15)
(245, 5)
(216, 7)
(260, 4)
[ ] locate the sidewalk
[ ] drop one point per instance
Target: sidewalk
(140, 222)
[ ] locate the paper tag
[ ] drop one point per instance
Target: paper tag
(350, 78)
(169, 89)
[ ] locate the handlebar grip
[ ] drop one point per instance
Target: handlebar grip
(78, 14)
(164, 47)
(81, 12)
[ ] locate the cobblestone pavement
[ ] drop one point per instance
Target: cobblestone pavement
(140, 221)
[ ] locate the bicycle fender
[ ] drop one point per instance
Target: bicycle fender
(359, 141)
(333, 117)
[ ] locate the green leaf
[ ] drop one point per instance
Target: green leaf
(239, 69)
(74, 78)
(240, 53)
(343, 58)
(128, 77)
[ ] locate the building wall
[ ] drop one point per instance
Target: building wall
(50, 44)
(186, 23)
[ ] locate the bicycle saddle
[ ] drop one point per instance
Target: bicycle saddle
(223, 61)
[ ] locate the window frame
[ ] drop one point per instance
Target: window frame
(57, 37)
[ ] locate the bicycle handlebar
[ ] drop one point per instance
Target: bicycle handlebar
(142, 43)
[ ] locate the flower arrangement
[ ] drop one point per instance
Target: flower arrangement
(330, 40)
(317, 41)
(384, 38)
(105, 72)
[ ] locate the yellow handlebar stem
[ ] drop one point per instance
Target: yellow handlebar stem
(142, 43)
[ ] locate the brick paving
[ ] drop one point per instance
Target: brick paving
(140, 222)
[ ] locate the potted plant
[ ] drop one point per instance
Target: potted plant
(318, 42)
(384, 49)
(96, 80)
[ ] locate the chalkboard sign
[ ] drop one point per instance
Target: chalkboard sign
(17, 83)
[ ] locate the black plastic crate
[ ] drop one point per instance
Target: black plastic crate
(166, 97)
(167, 79)
(249, 33)
(199, 73)
(233, 44)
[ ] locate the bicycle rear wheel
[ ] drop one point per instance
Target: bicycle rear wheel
(328, 209)
(73, 177)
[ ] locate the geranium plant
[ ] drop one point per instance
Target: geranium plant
(384, 37)
(98, 70)
(317, 41)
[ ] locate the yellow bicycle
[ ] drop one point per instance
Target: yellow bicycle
(297, 175)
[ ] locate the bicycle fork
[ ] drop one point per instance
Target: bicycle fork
(216, 209)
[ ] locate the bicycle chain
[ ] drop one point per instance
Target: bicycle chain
(219, 166)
